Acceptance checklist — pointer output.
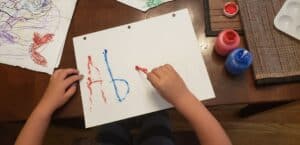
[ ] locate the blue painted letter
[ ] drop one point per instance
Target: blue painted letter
(114, 80)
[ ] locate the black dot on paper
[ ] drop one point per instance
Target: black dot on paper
(129, 27)
(173, 15)
(84, 38)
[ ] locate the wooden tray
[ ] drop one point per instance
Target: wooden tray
(215, 21)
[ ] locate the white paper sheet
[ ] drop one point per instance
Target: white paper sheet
(149, 43)
(143, 5)
(33, 33)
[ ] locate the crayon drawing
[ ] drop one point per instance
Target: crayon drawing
(20, 25)
(27, 29)
(39, 41)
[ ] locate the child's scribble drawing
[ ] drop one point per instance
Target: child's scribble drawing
(90, 81)
(33, 32)
(114, 80)
(25, 27)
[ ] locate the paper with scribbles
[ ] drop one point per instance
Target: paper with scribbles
(113, 90)
(33, 33)
(143, 5)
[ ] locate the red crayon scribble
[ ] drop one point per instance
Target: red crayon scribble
(142, 69)
(39, 41)
(90, 80)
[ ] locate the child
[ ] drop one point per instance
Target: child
(164, 78)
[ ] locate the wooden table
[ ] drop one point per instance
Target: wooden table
(21, 89)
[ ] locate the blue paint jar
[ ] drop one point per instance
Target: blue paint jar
(238, 61)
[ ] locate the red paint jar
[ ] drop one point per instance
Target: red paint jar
(227, 41)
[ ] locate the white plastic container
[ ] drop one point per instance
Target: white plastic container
(288, 18)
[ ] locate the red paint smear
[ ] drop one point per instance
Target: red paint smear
(90, 81)
(89, 64)
(90, 90)
(142, 69)
(39, 41)
(231, 8)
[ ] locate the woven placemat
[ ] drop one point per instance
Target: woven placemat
(215, 21)
(276, 55)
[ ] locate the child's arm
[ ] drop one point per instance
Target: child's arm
(170, 85)
(60, 89)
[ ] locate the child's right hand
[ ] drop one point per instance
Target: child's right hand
(168, 83)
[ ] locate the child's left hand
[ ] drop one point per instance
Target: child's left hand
(62, 86)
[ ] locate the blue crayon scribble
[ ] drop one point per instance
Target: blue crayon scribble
(114, 80)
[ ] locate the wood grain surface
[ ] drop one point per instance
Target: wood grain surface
(21, 89)
(279, 126)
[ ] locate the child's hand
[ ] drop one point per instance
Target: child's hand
(62, 86)
(168, 83)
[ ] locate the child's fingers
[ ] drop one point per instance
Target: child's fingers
(157, 72)
(56, 72)
(169, 67)
(72, 79)
(67, 72)
(154, 80)
(164, 69)
(71, 91)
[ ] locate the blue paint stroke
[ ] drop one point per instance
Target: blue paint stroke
(114, 80)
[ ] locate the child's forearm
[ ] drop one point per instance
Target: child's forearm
(35, 128)
(207, 128)
(61, 88)
(172, 87)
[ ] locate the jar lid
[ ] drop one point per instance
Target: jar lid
(230, 9)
